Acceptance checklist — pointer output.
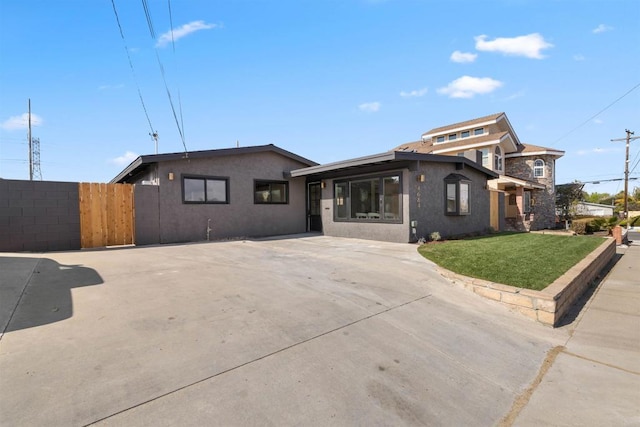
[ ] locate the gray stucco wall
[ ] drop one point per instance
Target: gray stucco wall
(180, 222)
(39, 216)
(430, 212)
(423, 202)
(147, 220)
(399, 233)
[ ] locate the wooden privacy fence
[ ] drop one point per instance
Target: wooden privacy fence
(106, 215)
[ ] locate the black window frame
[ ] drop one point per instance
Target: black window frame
(465, 134)
(205, 178)
(345, 204)
(269, 182)
(440, 138)
(458, 181)
(478, 131)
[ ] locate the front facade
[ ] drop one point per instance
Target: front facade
(217, 194)
(399, 197)
(526, 173)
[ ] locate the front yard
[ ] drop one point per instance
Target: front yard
(525, 260)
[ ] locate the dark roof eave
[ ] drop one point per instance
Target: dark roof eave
(156, 158)
(388, 157)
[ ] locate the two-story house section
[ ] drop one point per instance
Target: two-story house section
(523, 196)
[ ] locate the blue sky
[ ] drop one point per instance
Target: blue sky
(328, 80)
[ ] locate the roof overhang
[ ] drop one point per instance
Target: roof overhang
(382, 161)
(557, 153)
(142, 162)
(471, 145)
(503, 182)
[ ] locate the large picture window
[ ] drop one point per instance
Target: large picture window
(271, 192)
(457, 195)
(377, 199)
(204, 189)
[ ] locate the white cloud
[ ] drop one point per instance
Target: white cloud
(369, 107)
(468, 87)
(414, 93)
(597, 151)
(578, 57)
(463, 57)
(516, 95)
(21, 122)
(528, 46)
(183, 31)
(125, 159)
(601, 29)
(106, 87)
(598, 121)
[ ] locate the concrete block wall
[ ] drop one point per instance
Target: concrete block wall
(39, 216)
(549, 305)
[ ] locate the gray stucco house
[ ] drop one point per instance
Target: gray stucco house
(217, 194)
(265, 190)
(399, 196)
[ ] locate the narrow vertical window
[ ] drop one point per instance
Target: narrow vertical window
(538, 168)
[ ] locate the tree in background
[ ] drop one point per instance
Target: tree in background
(567, 197)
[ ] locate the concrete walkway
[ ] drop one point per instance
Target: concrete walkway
(595, 379)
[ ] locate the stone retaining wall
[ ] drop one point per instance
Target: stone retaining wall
(550, 304)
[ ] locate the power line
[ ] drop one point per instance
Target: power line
(175, 62)
(147, 12)
(133, 71)
(597, 114)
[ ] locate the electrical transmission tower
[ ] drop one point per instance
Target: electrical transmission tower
(35, 159)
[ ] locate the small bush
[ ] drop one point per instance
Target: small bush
(435, 236)
(579, 226)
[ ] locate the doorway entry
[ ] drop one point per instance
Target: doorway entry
(314, 214)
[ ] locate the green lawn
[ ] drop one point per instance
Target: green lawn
(525, 260)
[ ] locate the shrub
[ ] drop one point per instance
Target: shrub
(579, 226)
(435, 236)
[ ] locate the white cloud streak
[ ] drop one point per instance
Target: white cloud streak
(463, 57)
(108, 87)
(602, 28)
(529, 46)
(125, 159)
(369, 107)
(578, 57)
(414, 93)
(468, 87)
(21, 122)
(183, 31)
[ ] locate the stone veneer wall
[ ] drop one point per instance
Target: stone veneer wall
(544, 208)
(549, 305)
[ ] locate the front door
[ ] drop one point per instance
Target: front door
(313, 207)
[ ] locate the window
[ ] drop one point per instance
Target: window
(526, 202)
(457, 195)
(271, 192)
(453, 137)
(202, 189)
(538, 168)
(368, 199)
(465, 134)
(498, 160)
(485, 158)
(440, 139)
(478, 131)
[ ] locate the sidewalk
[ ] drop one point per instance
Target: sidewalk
(595, 379)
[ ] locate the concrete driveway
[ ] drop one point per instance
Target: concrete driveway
(310, 330)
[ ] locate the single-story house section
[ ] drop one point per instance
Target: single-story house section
(399, 196)
(594, 209)
(217, 194)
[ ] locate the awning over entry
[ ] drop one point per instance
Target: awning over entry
(505, 183)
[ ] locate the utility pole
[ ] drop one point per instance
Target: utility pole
(626, 172)
(29, 138)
